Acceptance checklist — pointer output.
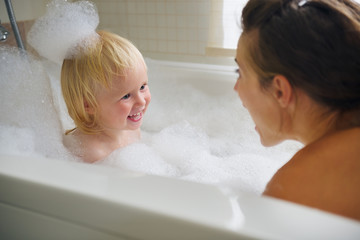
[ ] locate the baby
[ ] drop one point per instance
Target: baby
(105, 88)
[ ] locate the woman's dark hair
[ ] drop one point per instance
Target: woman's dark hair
(314, 43)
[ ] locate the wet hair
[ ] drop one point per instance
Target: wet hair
(94, 68)
(314, 43)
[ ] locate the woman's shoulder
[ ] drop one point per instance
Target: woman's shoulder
(322, 173)
(337, 150)
(340, 144)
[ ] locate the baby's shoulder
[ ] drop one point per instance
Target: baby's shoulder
(86, 147)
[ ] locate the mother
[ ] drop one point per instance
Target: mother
(299, 77)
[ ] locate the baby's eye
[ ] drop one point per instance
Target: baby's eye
(126, 96)
(143, 87)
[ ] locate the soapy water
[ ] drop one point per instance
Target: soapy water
(28, 120)
(193, 135)
(187, 133)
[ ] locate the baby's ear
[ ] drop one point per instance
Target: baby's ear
(88, 109)
(282, 90)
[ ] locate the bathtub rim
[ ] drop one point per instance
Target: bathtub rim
(13, 167)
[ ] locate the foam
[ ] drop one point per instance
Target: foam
(186, 134)
(191, 135)
(27, 108)
(65, 25)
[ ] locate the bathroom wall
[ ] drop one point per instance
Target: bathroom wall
(166, 29)
(162, 29)
(24, 9)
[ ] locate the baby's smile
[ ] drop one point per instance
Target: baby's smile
(135, 117)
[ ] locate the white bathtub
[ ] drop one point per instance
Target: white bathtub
(43, 198)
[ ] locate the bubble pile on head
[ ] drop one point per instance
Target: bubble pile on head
(64, 29)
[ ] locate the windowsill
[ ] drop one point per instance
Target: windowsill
(220, 52)
(216, 60)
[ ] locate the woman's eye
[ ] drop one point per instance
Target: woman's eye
(126, 96)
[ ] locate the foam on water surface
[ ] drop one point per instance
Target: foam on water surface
(27, 110)
(187, 133)
(192, 135)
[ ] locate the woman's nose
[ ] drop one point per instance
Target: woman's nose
(236, 86)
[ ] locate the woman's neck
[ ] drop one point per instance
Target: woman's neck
(313, 121)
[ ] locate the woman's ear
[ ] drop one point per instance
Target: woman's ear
(282, 90)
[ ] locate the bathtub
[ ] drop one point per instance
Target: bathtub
(44, 198)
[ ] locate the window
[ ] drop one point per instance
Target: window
(225, 28)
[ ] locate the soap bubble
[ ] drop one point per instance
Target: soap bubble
(65, 25)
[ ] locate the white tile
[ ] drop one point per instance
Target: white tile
(143, 33)
(162, 46)
(150, 7)
(203, 21)
(142, 20)
(140, 7)
(150, 20)
(123, 20)
(170, 8)
(152, 45)
(170, 21)
(133, 20)
(161, 21)
(131, 7)
(172, 34)
(152, 33)
(192, 21)
(182, 34)
(181, 21)
(205, 7)
(193, 48)
(172, 46)
(191, 8)
(183, 47)
(202, 47)
(142, 45)
(181, 8)
(162, 33)
(202, 34)
(193, 34)
(134, 32)
(160, 7)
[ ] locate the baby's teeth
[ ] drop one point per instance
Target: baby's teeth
(137, 114)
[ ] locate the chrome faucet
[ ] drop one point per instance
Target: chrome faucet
(3, 33)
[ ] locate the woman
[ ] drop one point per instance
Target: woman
(299, 78)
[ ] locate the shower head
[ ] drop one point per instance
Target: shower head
(3, 34)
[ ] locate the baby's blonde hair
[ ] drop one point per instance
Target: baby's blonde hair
(94, 68)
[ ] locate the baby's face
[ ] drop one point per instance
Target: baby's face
(123, 106)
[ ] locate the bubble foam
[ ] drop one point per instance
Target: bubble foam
(27, 104)
(191, 135)
(64, 29)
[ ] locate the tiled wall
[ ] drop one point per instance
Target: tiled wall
(178, 27)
